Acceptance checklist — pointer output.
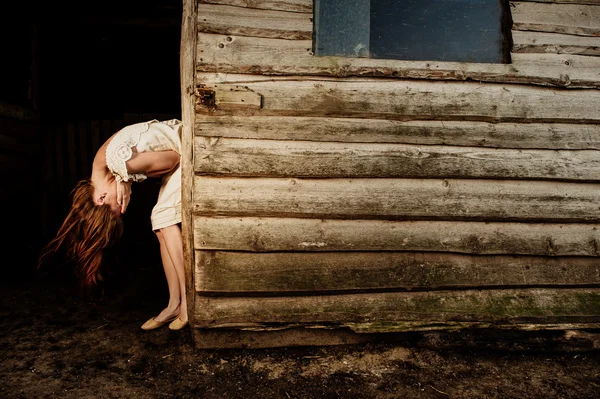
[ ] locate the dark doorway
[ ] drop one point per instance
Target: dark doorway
(84, 70)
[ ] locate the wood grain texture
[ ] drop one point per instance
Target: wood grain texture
(575, 19)
(439, 199)
(589, 2)
(253, 234)
(279, 158)
(268, 56)
(334, 272)
(359, 130)
(187, 60)
(281, 5)
(406, 99)
(540, 42)
(401, 311)
(228, 20)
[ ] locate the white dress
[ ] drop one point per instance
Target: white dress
(143, 137)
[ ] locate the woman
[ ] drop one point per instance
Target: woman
(94, 222)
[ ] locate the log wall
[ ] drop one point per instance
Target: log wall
(387, 195)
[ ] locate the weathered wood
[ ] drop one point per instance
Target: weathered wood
(590, 2)
(263, 56)
(222, 338)
(406, 99)
(282, 5)
(576, 19)
(489, 200)
(457, 133)
(239, 97)
(573, 70)
(328, 272)
(318, 235)
(187, 61)
(228, 20)
(274, 158)
(401, 311)
(539, 42)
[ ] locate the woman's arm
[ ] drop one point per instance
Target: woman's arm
(153, 164)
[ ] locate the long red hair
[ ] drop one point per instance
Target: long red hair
(85, 233)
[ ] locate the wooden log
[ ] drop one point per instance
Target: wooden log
(318, 235)
(275, 158)
(573, 70)
(457, 133)
(439, 199)
(575, 19)
(334, 272)
(282, 5)
(405, 99)
(228, 20)
(187, 60)
(267, 56)
(539, 42)
(402, 311)
(234, 338)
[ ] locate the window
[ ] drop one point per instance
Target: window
(432, 30)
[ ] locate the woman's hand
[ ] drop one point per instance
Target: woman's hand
(123, 194)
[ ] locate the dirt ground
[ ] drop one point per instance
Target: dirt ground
(55, 343)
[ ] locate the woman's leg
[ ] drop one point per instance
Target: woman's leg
(173, 243)
(172, 281)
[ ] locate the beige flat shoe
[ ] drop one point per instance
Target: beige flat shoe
(151, 324)
(178, 324)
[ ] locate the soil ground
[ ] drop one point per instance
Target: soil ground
(56, 343)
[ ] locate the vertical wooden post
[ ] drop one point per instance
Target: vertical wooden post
(187, 66)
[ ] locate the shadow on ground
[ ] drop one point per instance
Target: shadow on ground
(55, 343)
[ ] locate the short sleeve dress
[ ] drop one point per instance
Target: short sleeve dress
(148, 136)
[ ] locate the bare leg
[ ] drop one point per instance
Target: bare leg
(172, 281)
(174, 246)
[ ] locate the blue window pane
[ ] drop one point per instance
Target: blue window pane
(342, 27)
(435, 30)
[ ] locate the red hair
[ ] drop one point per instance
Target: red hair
(85, 233)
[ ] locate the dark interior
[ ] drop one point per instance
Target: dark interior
(74, 73)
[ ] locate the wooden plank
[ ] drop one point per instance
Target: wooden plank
(405, 99)
(402, 311)
(439, 199)
(318, 235)
(282, 5)
(280, 158)
(457, 133)
(264, 56)
(228, 339)
(539, 42)
(591, 2)
(187, 60)
(336, 272)
(575, 19)
(569, 70)
(228, 20)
